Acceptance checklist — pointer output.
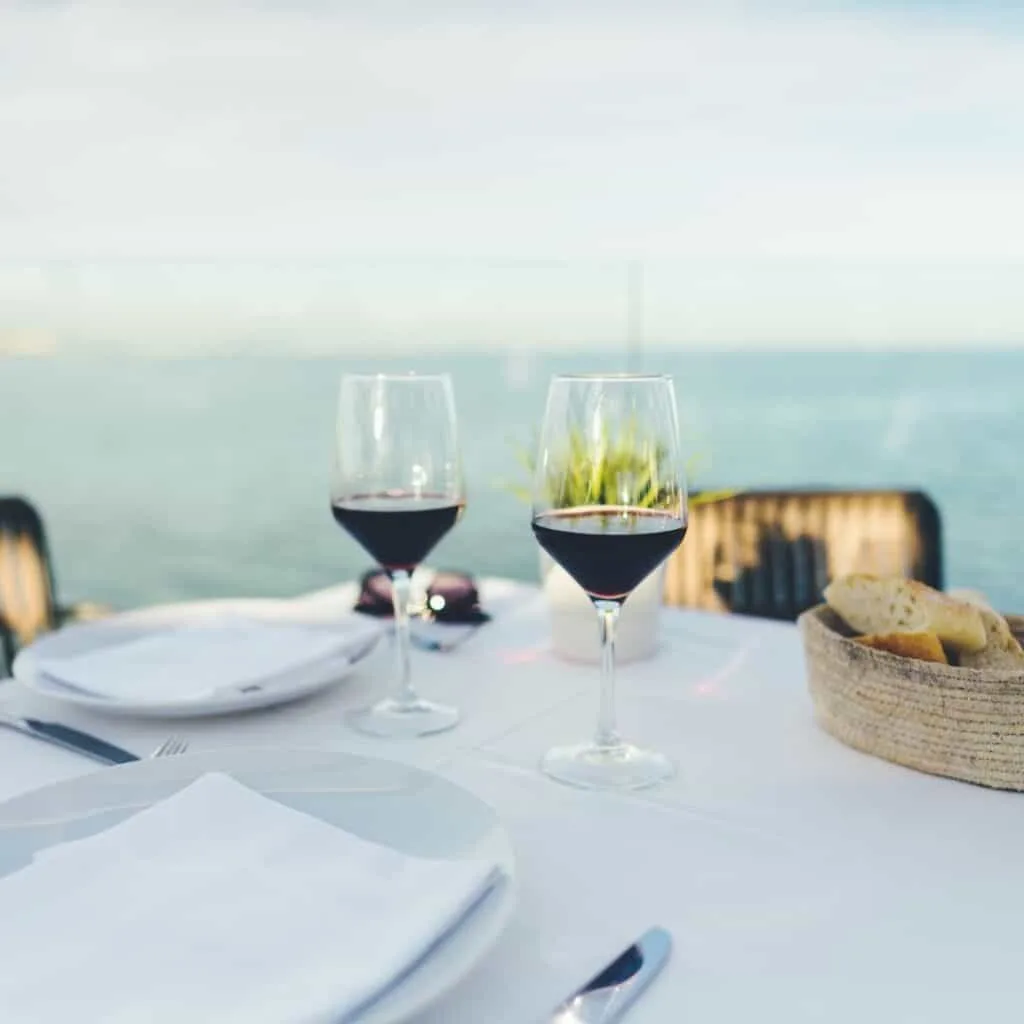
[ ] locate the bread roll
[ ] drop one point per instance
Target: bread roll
(1001, 649)
(924, 646)
(891, 604)
(975, 597)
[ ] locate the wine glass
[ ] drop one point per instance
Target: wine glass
(609, 506)
(397, 489)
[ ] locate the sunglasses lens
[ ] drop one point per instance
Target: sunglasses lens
(375, 595)
(451, 596)
(451, 593)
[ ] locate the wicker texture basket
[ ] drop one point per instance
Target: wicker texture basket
(963, 723)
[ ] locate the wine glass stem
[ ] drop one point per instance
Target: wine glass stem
(402, 692)
(607, 735)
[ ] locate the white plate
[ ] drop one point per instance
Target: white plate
(406, 808)
(87, 636)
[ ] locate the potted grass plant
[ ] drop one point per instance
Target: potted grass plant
(592, 479)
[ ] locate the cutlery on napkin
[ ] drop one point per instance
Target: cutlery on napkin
(220, 904)
(192, 661)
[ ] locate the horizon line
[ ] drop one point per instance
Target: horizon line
(388, 351)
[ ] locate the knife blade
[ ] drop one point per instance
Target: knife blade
(611, 992)
(70, 739)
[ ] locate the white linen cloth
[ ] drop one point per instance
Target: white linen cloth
(192, 661)
(802, 881)
(219, 904)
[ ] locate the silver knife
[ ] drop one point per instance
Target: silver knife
(68, 738)
(610, 993)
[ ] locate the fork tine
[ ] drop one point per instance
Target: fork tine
(170, 747)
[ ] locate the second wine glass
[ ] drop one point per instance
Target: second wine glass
(609, 506)
(398, 489)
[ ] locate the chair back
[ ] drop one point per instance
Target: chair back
(771, 553)
(27, 604)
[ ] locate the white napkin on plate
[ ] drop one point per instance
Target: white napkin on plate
(220, 905)
(191, 661)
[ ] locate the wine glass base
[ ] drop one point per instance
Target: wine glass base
(623, 766)
(396, 720)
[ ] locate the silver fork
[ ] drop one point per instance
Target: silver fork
(171, 746)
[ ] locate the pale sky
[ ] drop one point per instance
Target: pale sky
(342, 174)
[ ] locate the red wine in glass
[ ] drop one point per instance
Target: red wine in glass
(397, 529)
(609, 550)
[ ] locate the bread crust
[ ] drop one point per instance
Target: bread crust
(1001, 649)
(923, 646)
(875, 605)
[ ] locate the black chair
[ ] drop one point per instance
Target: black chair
(6, 649)
(771, 553)
(28, 591)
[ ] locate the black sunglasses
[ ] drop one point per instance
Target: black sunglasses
(451, 597)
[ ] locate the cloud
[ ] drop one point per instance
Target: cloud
(740, 136)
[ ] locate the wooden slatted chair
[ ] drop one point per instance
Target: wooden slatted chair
(771, 553)
(28, 602)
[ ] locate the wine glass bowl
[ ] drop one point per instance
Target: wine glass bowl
(397, 489)
(609, 506)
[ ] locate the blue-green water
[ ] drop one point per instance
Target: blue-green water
(177, 479)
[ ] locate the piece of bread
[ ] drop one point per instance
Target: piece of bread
(1001, 650)
(924, 646)
(892, 604)
(975, 597)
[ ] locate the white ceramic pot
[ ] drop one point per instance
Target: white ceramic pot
(574, 629)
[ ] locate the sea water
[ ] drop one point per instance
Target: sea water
(172, 479)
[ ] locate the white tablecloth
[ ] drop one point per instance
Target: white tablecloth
(802, 881)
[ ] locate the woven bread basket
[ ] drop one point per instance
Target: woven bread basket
(964, 723)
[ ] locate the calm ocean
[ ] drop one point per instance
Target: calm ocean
(190, 478)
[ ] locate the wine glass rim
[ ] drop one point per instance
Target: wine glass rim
(612, 376)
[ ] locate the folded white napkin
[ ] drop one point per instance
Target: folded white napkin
(220, 905)
(191, 661)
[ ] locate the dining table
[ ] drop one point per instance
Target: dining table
(801, 880)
